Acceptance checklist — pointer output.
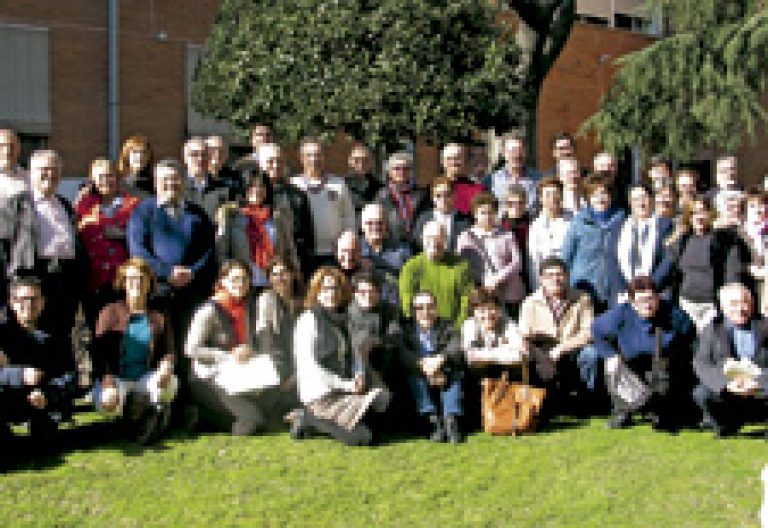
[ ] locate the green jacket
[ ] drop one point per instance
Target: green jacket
(449, 280)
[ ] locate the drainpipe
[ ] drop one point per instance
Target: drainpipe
(113, 82)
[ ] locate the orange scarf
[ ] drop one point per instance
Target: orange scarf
(236, 310)
(259, 242)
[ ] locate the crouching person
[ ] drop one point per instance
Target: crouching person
(38, 377)
(432, 355)
(333, 387)
(732, 352)
(646, 347)
(133, 358)
(556, 323)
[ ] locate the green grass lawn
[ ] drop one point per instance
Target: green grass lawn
(584, 475)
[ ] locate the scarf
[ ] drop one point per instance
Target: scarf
(401, 195)
(259, 242)
(235, 309)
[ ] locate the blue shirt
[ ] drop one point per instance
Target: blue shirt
(133, 362)
(427, 342)
(743, 340)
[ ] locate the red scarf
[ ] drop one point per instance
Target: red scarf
(259, 242)
(402, 198)
(236, 310)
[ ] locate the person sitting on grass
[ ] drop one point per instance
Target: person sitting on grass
(234, 390)
(133, 356)
(433, 358)
(652, 338)
(38, 375)
(336, 395)
(730, 362)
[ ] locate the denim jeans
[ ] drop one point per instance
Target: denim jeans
(450, 395)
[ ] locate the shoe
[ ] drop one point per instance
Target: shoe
(618, 420)
(722, 431)
(299, 429)
(147, 427)
(452, 429)
(438, 431)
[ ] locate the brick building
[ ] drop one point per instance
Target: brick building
(55, 83)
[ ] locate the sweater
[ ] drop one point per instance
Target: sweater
(332, 210)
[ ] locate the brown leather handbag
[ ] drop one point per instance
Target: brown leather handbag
(510, 408)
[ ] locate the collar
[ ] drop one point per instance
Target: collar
(37, 197)
(181, 203)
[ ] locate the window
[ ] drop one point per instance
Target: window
(24, 85)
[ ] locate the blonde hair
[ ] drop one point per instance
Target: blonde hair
(137, 142)
(144, 268)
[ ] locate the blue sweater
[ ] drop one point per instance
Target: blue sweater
(165, 242)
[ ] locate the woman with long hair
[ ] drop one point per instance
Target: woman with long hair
(135, 166)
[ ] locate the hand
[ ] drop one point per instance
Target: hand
(32, 376)
(36, 399)
(242, 353)
(359, 383)
(180, 276)
(164, 372)
(742, 386)
(437, 379)
(110, 397)
(3, 359)
(555, 354)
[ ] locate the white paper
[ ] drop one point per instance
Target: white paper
(742, 368)
(257, 373)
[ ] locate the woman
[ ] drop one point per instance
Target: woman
(332, 384)
(133, 359)
(705, 259)
(102, 217)
(232, 387)
(547, 232)
(495, 259)
(256, 233)
(588, 243)
(403, 202)
(135, 166)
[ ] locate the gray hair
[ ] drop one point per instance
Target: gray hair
(46, 153)
(194, 139)
(168, 163)
(732, 289)
(401, 155)
(451, 146)
(265, 149)
(371, 210)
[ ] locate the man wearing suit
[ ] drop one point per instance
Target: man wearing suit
(201, 188)
(728, 402)
(443, 212)
(176, 237)
(44, 242)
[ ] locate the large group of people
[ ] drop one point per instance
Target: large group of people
(243, 298)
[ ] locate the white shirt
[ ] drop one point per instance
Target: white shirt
(446, 220)
(13, 183)
(332, 209)
(545, 239)
(647, 238)
(55, 232)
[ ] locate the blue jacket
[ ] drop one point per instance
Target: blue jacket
(621, 331)
(588, 250)
(165, 242)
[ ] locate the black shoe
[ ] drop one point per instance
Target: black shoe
(619, 420)
(438, 431)
(723, 431)
(299, 428)
(147, 427)
(452, 429)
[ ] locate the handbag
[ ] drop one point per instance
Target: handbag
(630, 392)
(510, 408)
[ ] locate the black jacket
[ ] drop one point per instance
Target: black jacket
(285, 195)
(448, 341)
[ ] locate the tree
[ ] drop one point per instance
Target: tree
(380, 71)
(699, 87)
(542, 35)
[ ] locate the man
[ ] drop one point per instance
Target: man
(176, 237)
(570, 176)
(446, 275)
(478, 162)
(261, 134)
(686, 185)
(443, 212)
(730, 399)
(514, 171)
(201, 189)
(383, 254)
(38, 377)
(291, 202)
(653, 339)
(403, 203)
(45, 242)
(547, 231)
(329, 201)
(726, 180)
(456, 170)
(563, 146)
(348, 254)
(218, 153)
(659, 172)
(363, 185)
(13, 180)
(556, 324)
(432, 356)
(605, 164)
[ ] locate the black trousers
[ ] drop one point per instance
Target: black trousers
(729, 410)
(63, 290)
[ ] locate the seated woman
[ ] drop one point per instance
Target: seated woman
(255, 232)
(491, 343)
(332, 383)
(133, 359)
(495, 259)
(232, 387)
(432, 356)
(653, 339)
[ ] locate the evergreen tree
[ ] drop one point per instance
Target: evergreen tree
(699, 87)
(380, 71)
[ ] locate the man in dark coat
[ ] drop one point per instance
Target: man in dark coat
(728, 397)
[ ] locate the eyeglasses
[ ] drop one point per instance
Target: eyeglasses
(423, 307)
(400, 167)
(30, 299)
(442, 194)
(198, 154)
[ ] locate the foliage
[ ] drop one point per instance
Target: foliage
(699, 87)
(377, 70)
(579, 475)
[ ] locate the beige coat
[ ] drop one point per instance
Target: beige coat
(575, 328)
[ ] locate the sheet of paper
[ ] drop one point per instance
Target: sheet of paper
(239, 378)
